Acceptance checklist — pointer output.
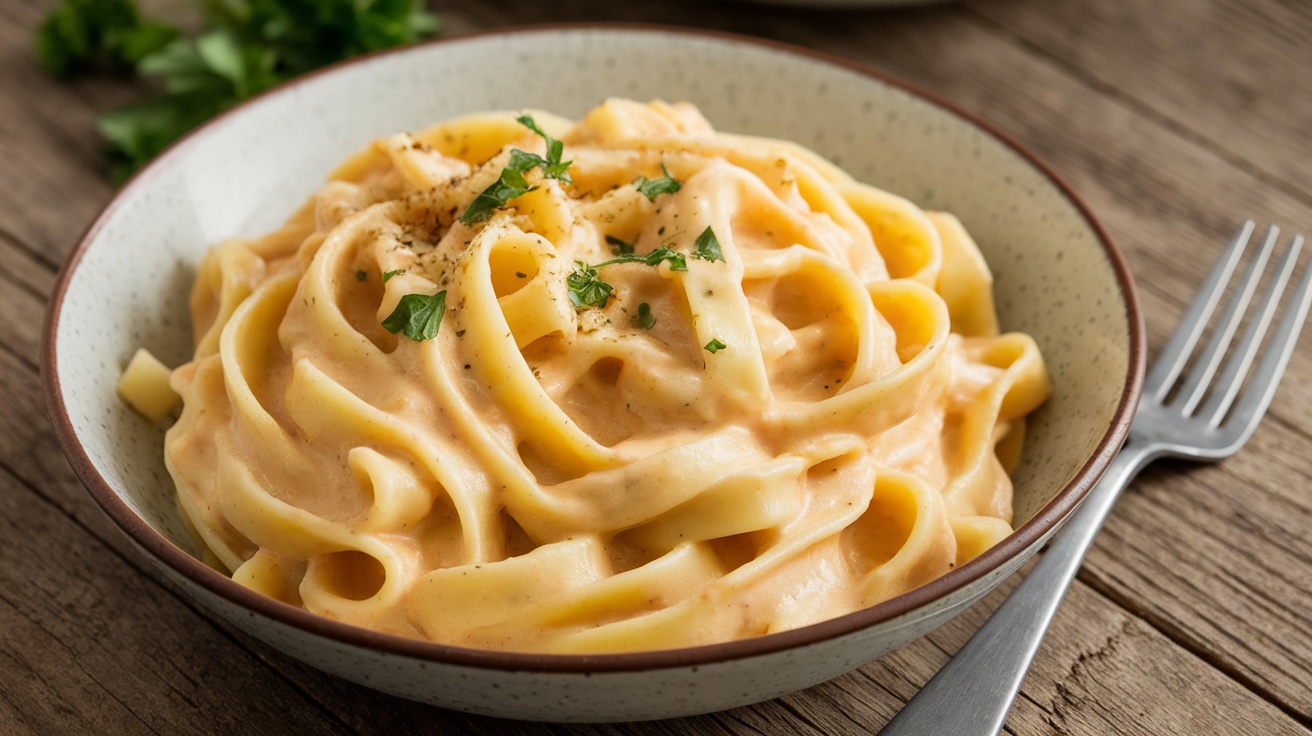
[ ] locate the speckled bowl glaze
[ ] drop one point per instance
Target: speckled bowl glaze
(1058, 277)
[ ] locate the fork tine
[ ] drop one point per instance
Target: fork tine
(1200, 376)
(1176, 352)
(1262, 387)
(1232, 377)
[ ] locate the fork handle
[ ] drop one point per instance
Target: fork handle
(972, 694)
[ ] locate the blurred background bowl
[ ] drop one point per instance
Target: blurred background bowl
(1058, 278)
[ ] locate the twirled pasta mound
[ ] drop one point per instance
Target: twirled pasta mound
(801, 406)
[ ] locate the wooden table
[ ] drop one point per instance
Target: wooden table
(1175, 119)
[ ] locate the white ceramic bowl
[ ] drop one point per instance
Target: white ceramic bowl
(1058, 277)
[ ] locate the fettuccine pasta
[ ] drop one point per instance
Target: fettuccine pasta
(641, 386)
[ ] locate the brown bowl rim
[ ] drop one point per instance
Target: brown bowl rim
(224, 587)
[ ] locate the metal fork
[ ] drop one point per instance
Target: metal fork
(1197, 414)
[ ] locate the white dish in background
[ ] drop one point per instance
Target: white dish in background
(1057, 277)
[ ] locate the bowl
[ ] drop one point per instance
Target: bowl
(1058, 278)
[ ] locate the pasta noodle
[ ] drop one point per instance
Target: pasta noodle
(677, 387)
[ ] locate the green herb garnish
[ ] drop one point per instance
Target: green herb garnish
(586, 289)
(81, 35)
(665, 253)
(552, 166)
(417, 315)
(619, 247)
(677, 261)
(707, 246)
(394, 272)
(246, 47)
(714, 346)
(511, 184)
(664, 185)
(644, 319)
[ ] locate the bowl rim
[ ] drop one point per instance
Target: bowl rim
(215, 583)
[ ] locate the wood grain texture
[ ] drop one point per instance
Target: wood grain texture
(1191, 616)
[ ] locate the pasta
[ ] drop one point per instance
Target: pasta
(641, 386)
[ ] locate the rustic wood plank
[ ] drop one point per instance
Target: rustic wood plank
(24, 283)
(22, 268)
(1231, 75)
(90, 645)
(1096, 676)
(1238, 594)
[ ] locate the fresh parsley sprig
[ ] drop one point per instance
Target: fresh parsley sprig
(586, 289)
(552, 167)
(80, 35)
(512, 182)
(417, 315)
(666, 184)
(714, 346)
(677, 261)
(246, 47)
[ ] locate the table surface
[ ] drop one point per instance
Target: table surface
(1192, 615)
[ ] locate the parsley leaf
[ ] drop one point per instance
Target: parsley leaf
(707, 246)
(511, 184)
(394, 272)
(79, 35)
(139, 131)
(665, 253)
(619, 247)
(586, 289)
(307, 35)
(678, 262)
(552, 166)
(246, 47)
(714, 346)
(644, 318)
(417, 315)
(664, 185)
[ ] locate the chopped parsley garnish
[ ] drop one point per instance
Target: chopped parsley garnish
(619, 247)
(664, 185)
(512, 183)
(677, 261)
(644, 318)
(707, 247)
(361, 275)
(586, 289)
(417, 315)
(394, 272)
(552, 166)
(715, 346)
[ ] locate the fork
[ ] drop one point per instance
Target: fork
(1205, 413)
